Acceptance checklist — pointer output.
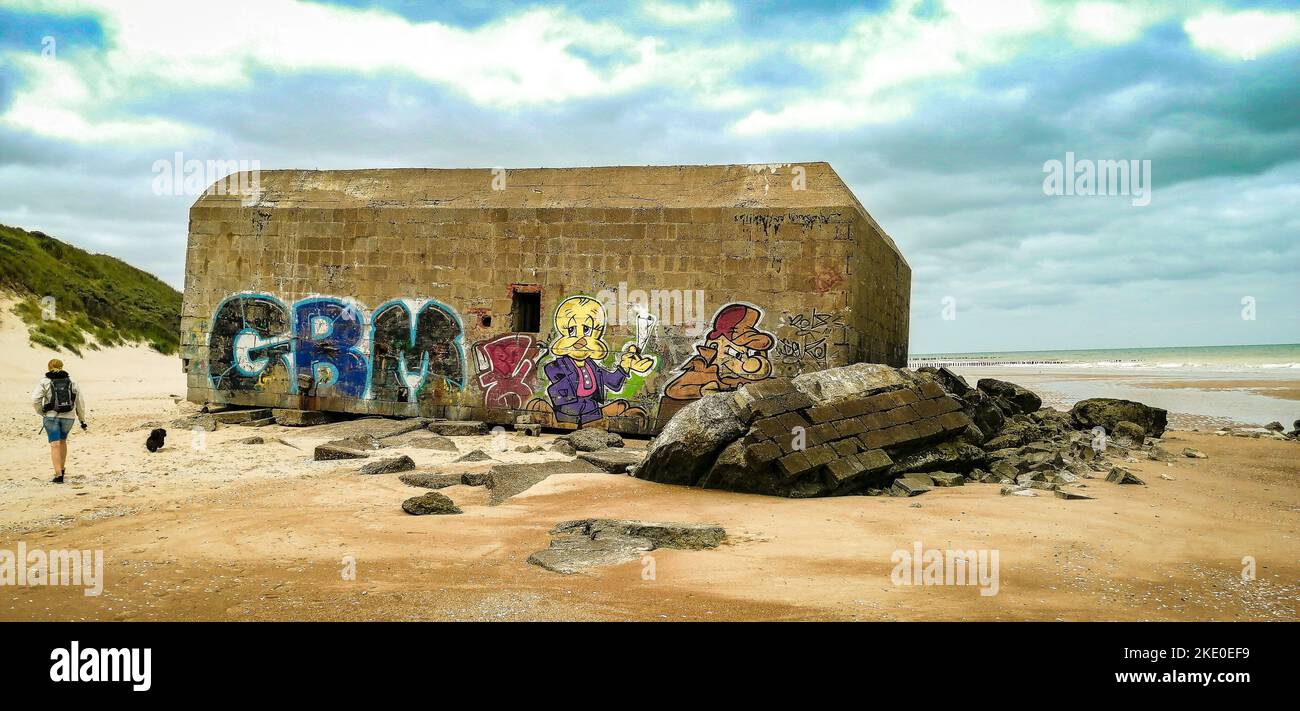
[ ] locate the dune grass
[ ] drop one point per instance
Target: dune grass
(72, 300)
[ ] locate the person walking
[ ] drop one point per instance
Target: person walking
(58, 400)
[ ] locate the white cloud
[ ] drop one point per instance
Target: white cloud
(1243, 34)
(672, 13)
(519, 60)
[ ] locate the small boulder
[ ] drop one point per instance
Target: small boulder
(458, 428)
(1108, 412)
(947, 479)
(300, 418)
(592, 439)
(904, 486)
(431, 503)
(1069, 494)
(1194, 453)
(477, 455)
(1130, 431)
(430, 480)
(1275, 426)
(614, 461)
(330, 452)
(1022, 401)
(389, 465)
(1118, 475)
(563, 446)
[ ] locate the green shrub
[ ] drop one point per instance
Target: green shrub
(100, 301)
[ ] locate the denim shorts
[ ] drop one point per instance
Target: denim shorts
(57, 428)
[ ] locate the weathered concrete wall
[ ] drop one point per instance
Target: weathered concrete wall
(390, 291)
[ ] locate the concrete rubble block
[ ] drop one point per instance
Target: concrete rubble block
(258, 423)
(850, 382)
(301, 418)
(388, 465)
(419, 440)
(430, 480)
(688, 445)
(431, 503)
(592, 439)
(378, 428)
(458, 428)
(506, 480)
(904, 486)
(203, 422)
(1118, 475)
(614, 461)
(1071, 494)
(330, 452)
(235, 417)
(1109, 412)
(1022, 400)
(947, 479)
(579, 545)
(476, 455)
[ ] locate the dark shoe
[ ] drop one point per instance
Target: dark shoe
(57, 480)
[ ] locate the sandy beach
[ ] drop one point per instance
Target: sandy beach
(217, 530)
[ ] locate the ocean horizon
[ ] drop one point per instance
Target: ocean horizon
(1281, 359)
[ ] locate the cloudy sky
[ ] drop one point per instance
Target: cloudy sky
(940, 114)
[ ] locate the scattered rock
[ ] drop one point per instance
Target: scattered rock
(434, 442)
(592, 439)
(529, 449)
(688, 445)
(252, 440)
(477, 455)
(301, 418)
(389, 465)
(258, 423)
(1067, 494)
(1275, 426)
(235, 417)
(1130, 431)
(329, 452)
(506, 480)
(1194, 453)
(583, 544)
(458, 428)
(1013, 399)
(1119, 475)
(947, 479)
(904, 486)
(431, 503)
(563, 446)
(614, 461)
(430, 480)
(1017, 490)
(201, 421)
(1109, 412)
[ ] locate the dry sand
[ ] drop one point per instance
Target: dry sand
(258, 532)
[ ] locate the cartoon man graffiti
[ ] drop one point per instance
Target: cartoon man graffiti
(734, 353)
(578, 382)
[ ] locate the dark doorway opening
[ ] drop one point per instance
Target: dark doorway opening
(526, 311)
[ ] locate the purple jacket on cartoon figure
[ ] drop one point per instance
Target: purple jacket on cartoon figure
(577, 392)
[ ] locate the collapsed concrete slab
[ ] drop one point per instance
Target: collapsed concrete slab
(837, 431)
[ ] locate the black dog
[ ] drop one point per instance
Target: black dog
(155, 441)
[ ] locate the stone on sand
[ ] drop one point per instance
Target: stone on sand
(578, 545)
(389, 465)
(614, 461)
(431, 503)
